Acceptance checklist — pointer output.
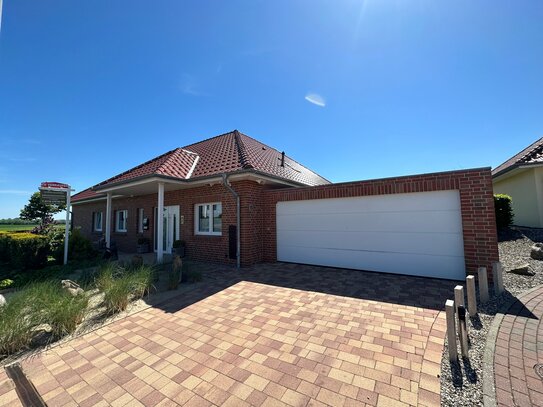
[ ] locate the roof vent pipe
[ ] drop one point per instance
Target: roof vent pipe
(238, 221)
(283, 159)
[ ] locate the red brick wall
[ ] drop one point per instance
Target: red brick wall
(199, 247)
(258, 203)
(477, 205)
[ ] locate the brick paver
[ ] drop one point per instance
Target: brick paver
(8, 395)
(279, 335)
(519, 347)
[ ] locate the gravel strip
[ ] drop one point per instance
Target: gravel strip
(462, 385)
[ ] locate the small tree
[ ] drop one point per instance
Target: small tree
(504, 210)
(38, 211)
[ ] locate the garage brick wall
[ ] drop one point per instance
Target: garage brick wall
(476, 198)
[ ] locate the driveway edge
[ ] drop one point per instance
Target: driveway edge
(489, 389)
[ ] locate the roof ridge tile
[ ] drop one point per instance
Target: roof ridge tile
(242, 151)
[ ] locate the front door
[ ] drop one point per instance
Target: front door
(170, 220)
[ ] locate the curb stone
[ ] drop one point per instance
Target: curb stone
(489, 389)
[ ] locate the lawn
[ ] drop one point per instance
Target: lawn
(14, 228)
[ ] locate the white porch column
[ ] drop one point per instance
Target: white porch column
(160, 224)
(67, 230)
(108, 219)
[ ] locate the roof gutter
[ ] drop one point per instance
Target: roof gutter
(515, 167)
(181, 181)
(238, 219)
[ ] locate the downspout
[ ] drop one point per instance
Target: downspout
(238, 220)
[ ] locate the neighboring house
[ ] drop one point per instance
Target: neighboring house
(521, 177)
(235, 200)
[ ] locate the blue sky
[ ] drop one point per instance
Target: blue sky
(90, 89)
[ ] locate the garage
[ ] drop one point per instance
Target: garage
(408, 233)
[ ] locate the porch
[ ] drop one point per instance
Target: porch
(162, 211)
(148, 258)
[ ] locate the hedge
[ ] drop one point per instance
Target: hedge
(23, 251)
(504, 210)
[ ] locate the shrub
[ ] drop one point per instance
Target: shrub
(504, 210)
(79, 247)
(56, 244)
(7, 283)
(24, 251)
(17, 324)
(178, 243)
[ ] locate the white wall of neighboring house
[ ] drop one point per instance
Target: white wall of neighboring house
(526, 189)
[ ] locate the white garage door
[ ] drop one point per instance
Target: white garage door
(416, 233)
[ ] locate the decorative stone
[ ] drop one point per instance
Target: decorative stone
(177, 266)
(523, 270)
(2, 300)
(175, 274)
(537, 251)
(72, 287)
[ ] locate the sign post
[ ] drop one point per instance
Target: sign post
(55, 193)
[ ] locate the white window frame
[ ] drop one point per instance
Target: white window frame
(140, 220)
(209, 232)
(94, 228)
(117, 228)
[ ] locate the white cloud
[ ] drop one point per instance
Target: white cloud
(315, 99)
(189, 86)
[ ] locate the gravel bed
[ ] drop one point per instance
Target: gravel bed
(462, 385)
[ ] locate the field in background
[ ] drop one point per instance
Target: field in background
(13, 228)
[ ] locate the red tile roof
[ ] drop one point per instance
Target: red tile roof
(533, 154)
(226, 153)
(85, 194)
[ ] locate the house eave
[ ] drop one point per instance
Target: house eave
(248, 174)
(513, 170)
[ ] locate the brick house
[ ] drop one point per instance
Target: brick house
(235, 200)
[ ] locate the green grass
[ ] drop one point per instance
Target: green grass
(17, 323)
(120, 285)
(21, 228)
(16, 228)
(59, 309)
(36, 304)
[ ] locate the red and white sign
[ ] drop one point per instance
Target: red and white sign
(56, 185)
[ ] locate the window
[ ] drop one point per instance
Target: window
(140, 220)
(208, 219)
(120, 222)
(97, 221)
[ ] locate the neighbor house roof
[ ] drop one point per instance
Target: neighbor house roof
(227, 153)
(531, 155)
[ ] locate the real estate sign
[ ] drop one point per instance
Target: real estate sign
(57, 193)
(54, 193)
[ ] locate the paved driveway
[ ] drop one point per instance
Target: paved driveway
(272, 335)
